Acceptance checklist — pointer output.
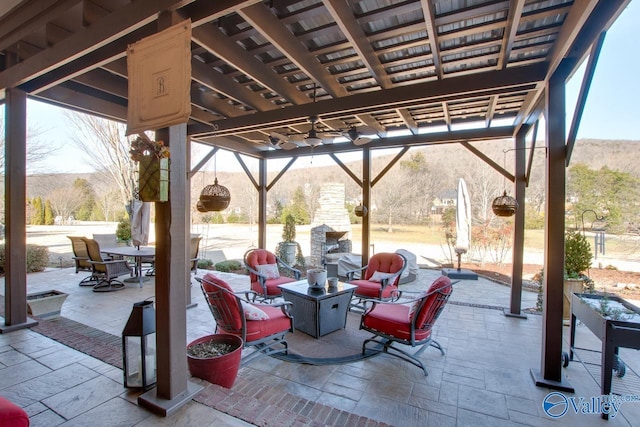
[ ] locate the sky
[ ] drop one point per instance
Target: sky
(611, 111)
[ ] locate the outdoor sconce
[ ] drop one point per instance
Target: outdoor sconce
(139, 347)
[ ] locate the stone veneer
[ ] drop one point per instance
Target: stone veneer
(331, 216)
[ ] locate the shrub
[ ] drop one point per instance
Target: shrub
(205, 264)
(37, 258)
(577, 254)
(227, 266)
(123, 231)
(289, 229)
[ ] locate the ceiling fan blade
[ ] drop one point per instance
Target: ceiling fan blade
(366, 130)
(288, 145)
(297, 137)
(361, 140)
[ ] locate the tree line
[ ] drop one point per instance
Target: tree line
(406, 194)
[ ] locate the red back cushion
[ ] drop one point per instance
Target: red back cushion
(226, 302)
(435, 301)
(259, 257)
(384, 262)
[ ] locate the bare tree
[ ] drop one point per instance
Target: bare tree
(64, 202)
(38, 147)
(107, 150)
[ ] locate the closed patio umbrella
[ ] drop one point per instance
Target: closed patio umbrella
(140, 223)
(463, 218)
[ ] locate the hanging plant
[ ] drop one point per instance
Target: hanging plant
(143, 146)
(153, 169)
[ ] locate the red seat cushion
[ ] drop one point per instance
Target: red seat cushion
(258, 329)
(11, 415)
(367, 289)
(272, 285)
(393, 319)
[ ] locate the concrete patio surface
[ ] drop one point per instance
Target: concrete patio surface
(484, 378)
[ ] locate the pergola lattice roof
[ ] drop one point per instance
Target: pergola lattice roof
(428, 68)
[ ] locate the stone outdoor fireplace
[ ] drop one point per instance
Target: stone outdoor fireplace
(331, 227)
(326, 241)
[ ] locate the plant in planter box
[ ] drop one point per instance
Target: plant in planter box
(577, 260)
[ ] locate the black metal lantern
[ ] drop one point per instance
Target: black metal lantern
(504, 205)
(139, 347)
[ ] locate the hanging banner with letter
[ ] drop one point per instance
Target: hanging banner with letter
(159, 68)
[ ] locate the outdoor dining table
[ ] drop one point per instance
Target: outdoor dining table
(136, 252)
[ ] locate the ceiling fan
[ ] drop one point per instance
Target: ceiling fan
(358, 135)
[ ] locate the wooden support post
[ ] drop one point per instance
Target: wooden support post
(262, 203)
(15, 188)
(550, 374)
(518, 226)
(366, 202)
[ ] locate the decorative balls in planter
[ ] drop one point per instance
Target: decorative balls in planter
(215, 358)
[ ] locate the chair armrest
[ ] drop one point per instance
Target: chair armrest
(349, 274)
(297, 273)
(111, 262)
(384, 282)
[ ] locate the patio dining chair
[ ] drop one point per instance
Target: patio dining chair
(81, 259)
(264, 273)
(194, 248)
(408, 323)
(263, 326)
(104, 272)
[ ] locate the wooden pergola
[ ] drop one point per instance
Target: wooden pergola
(261, 71)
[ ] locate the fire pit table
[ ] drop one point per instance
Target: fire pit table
(615, 322)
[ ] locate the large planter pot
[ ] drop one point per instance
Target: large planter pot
(45, 304)
(571, 286)
(221, 370)
(289, 252)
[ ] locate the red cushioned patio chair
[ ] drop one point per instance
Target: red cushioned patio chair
(379, 279)
(263, 326)
(408, 323)
(264, 272)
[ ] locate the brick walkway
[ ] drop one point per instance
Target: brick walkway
(249, 401)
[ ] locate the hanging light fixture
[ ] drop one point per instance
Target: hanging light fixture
(504, 205)
(214, 198)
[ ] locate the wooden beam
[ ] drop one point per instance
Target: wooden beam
(389, 165)
(502, 171)
(432, 33)
(115, 25)
(485, 83)
(587, 78)
(510, 31)
(214, 41)
(260, 17)
(346, 169)
(343, 15)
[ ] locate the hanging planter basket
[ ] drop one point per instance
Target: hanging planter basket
(153, 179)
(504, 205)
(214, 198)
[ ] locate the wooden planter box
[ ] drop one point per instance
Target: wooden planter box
(153, 179)
(45, 304)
